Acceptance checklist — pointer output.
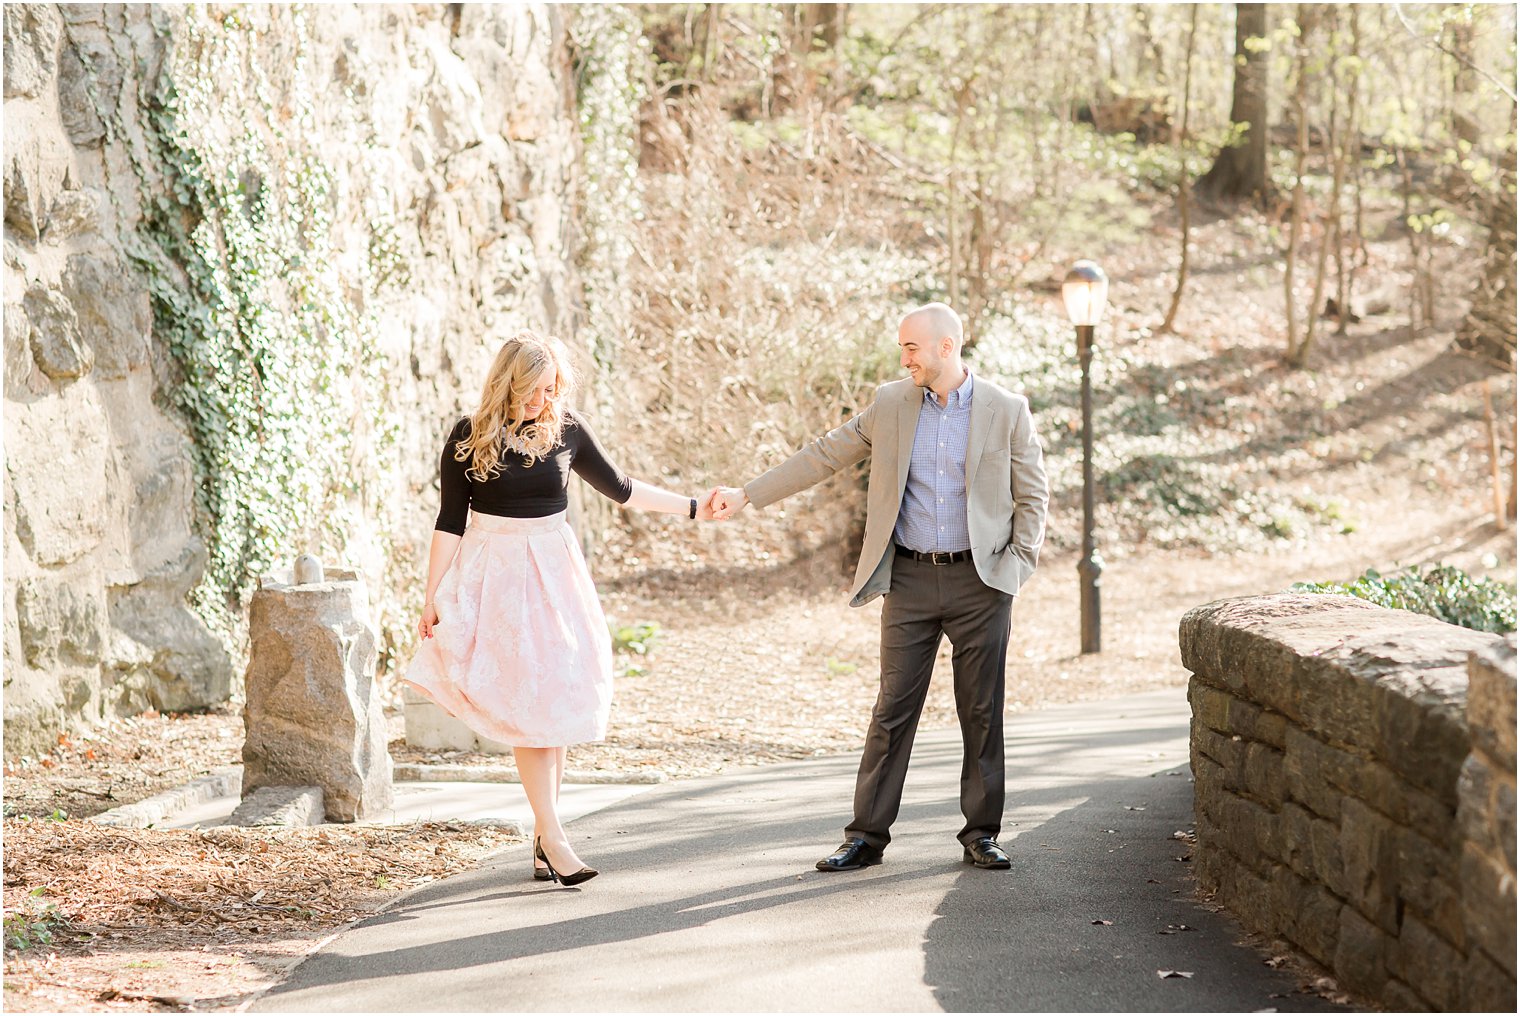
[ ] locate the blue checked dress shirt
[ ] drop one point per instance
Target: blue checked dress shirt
(933, 513)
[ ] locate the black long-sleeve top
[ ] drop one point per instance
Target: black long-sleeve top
(521, 491)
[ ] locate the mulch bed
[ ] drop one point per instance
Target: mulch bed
(99, 918)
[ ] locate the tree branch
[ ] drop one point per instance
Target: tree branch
(1435, 42)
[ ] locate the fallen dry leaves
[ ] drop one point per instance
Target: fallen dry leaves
(133, 757)
(143, 919)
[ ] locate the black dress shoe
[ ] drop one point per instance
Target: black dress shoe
(851, 854)
(985, 853)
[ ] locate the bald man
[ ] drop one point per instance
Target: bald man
(955, 516)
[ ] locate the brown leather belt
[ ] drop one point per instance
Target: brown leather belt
(934, 557)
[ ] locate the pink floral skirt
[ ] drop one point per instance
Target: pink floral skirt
(521, 652)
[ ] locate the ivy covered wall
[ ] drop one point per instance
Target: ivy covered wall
(256, 260)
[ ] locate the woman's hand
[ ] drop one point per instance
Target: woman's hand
(429, 618)
(705, 506)
(725, 502)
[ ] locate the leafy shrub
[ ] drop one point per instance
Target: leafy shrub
(1441, 591)
(638, 638)
(634, 639)
(25, 930)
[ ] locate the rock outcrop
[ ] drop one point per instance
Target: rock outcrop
(449, 135)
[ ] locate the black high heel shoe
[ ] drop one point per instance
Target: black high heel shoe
(573, 878)
(540, 873)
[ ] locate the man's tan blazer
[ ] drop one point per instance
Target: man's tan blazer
(1006, 491)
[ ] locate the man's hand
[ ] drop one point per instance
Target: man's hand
(726, 502)
(705, 506)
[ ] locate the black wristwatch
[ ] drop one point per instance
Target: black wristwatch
(693, 508)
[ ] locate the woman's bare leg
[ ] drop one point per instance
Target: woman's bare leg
(537, 768)
(559, 778)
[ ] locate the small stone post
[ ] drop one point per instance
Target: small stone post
(313, 717)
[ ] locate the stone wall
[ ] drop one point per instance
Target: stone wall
(451, 125)
(1353, 797)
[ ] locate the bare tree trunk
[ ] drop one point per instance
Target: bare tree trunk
(1183, 183)
(953, 210)
(814, 27)
(1421, 311)
(1329, 223)
(1240, 171)
(952, 197)
(1514, 487)
(712, 38)
(1495, 469)
(1348, 155)
(1489, 327)
(1296, 216)
(1147, 54)
(1362, 254)
(1463, 82)
(1414, 238)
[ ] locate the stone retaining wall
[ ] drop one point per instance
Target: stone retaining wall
(1355, 791)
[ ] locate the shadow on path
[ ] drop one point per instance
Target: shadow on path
(708, 899)
(1029, 943)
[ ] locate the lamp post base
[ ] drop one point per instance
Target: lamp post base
(1091, 571)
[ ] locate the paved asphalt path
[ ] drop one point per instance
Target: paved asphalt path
(708, 900)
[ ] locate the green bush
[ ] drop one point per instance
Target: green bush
(31, 926)
(638, 639)
(1441, 591)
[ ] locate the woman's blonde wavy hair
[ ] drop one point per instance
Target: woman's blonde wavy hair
(499, 422)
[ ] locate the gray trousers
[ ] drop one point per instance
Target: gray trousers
(928, 601)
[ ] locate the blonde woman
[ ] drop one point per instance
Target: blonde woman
(514, 640)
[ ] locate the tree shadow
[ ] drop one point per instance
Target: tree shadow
(1034, 939)
(728, 862)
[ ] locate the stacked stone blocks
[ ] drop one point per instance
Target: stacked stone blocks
(1342, 804)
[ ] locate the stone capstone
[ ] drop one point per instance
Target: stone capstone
(313, 716)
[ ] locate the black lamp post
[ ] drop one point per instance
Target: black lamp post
(1085, 293)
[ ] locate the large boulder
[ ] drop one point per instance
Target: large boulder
(313, 715)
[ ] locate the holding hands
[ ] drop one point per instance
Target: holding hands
(723, 503)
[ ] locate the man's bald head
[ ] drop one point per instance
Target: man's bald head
(930, 340)
(932, 322)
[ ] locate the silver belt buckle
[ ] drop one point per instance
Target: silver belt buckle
(935, 556)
